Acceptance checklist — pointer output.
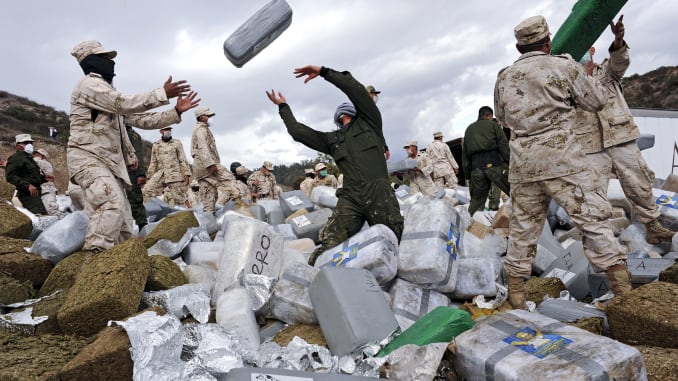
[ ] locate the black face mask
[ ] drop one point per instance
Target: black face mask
(241, 178)
(311, 175)
(99, 64)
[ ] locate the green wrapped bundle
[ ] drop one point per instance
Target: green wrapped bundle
(438, 326)
(584, 25)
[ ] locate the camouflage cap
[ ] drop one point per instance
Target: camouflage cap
(268, 165)
(437, 134)
(22, 138)
(200, 111)
(531, 30)
(320, 166)
(308, 171)
(241, 171)
(43, 152)
(370, 89)
(410, 143)
(87, 48)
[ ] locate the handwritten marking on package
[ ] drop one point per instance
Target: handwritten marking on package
(294, 200)
(668, 201)
(453, 241)
(260, 256)
(344, 256)
(275, 377)
(301, 221)
(536, 343)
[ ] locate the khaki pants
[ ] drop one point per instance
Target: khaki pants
(449, 181)
(586, 205)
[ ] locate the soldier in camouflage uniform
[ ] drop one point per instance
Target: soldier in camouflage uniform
(168, 171)
(99, 151)
(485, 156)
(445, 168)
(536, 97)
(421, 177)
(24, 173)
(241, 184)
(608, 137)
(137, 177)
(357, 147)
(308, 184)
(324, 178)
(262, 183)
(47, 189)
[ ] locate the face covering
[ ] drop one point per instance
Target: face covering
(100, 65)
(586, 59)
(28, 148)
(375, 98)
(323, 173)
(166, 135)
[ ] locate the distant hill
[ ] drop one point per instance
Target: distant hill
(655, 89)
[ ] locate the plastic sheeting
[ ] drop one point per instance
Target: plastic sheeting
(181, 301)
(63, 238)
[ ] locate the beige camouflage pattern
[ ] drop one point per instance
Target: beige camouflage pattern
(266, 187)
(48, 190)
(444, 165)
(542, 143)
(99, 152)
(227, 188)
(420, 178)
(167, 172)
(193, 200)
(328, 181)
(203, 150)
(307, 186)
(245, 194)
(587, 207)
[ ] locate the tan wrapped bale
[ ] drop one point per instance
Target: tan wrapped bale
(6, 190)
(646, 315)
(164, 274)
(63, 274)
(107, 288)
(172, 228)
(24, 266)
(13, 245)
(537, 288)
(13, 223)
(14, 291)
(669, 275)
(661, 363)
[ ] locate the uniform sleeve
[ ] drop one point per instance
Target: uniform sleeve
(450, 157)
(502, 143)
(201, 149)
(153, 166)
(183, 164)
(587, 91)
(153, 120)
(465, 159)
(619, 61)
(97, 94)
(305, 135)
(12, 173)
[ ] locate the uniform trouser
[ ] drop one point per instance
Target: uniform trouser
(175, 193)
(33, 204)
(493, 197)
(480, 182)
(422, 183)
(375, 203)
(208, 193)
(111, 220)
(449, 181)
(49, 200)
(634, 175)
(586, 205)
(136, 203)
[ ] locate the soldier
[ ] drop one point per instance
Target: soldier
(99, 151)
(169, 172)
(445, 168)
(262, 183)
(485, 156)
(193, 196)
(137, 177)
(206, 159)
(609, 138)
(536, 97)
(47, 189)
(357, 147)
(421, 176)
(241, 184)
(307, 185)
(24, 173)
(323, 178)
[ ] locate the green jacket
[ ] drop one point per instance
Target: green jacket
(135, 138)
(22, 170)
(358, 148)
(481, 136)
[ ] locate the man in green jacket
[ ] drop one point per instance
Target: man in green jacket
(138, 178)
(357, 147)
(485, 156)
(24, 173)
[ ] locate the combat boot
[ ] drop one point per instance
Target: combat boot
(656, 233)
(619, 278)
(517, 294)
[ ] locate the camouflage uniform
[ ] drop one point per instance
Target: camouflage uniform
(267, 188)
(443, 165)
(205, 154)
(546, 161)
(328, 181)
(99, 152)
(228, 188)
(420, 179)
(22, 171)
(168, 171)
(608, 137)
(307, 186)
(358, 151)
(134, 193)
(48, 189)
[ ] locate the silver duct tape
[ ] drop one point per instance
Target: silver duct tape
(173, 249)
(21, 322)
(260, 288)
(211, 348)
(189, 299)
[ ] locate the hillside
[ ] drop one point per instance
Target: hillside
(655, 89)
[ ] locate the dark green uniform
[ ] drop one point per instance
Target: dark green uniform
(21, 172)
(134, 195)
(358, 151)
(485, 156)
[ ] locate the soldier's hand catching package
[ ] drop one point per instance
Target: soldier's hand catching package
(276, 99)
(311, 71)
(174, 89)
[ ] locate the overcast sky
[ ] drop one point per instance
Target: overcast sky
(434, 61)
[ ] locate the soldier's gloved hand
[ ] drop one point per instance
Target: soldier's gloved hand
(33, 190)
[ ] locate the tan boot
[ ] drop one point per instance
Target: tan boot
(619, 278)
(656, 233)
(517, 294)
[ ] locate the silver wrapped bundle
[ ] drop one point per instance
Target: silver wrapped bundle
(291, 301)
(181, 301)
(410, 302)
(477, 276)
(63, 238)
(324, 196)
(235, 311)
(308, 225)
(293, 201)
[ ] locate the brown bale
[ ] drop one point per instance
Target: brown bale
(312, 334)
(670, 275)
(13, 245)
(107, 358)
(6, 190)
(14, 291)
(26, 266)
(63, 274)
(164, 274)
(13, 223)
(537, 288)
(646, 315)
(172, 228)
(107, 288)
(45, 307)
(661, 363)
